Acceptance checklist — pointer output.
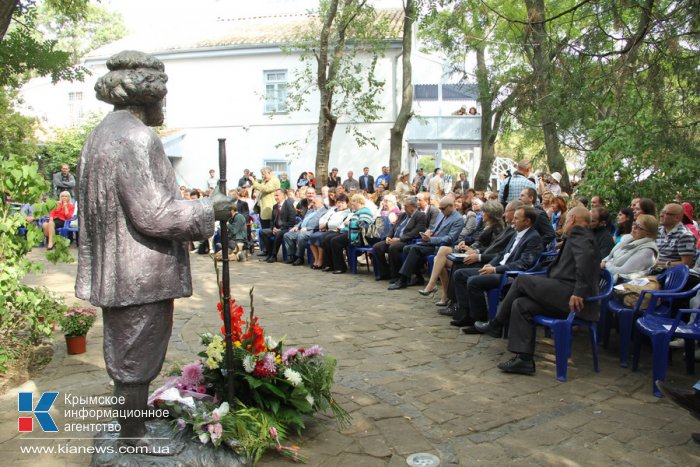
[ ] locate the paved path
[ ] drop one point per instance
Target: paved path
(411, 382)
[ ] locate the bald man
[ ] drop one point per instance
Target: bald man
(572, 277)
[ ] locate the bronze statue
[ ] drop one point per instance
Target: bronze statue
(133, 259)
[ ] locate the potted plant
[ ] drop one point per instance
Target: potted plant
(76, 322)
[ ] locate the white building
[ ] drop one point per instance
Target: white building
(228, 79)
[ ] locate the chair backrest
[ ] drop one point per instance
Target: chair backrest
(671, 280)
(552, 247)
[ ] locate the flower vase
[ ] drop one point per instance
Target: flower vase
(76, 344)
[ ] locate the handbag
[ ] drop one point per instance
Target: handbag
(630, 291)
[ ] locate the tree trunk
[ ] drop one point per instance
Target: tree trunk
(540, 61)
(7, 7)
(488, 140)
(405, 113)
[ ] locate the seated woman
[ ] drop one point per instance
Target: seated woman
(330, 223)
(303, 180)
(636, 252)
(494, 226)
(389, 208)
(335, 243)
(625, 218)
(58, 217)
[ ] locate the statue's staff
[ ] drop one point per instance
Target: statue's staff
(226, 286)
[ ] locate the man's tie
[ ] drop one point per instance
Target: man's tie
(402, 225)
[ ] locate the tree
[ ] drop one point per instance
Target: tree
(97, 27)
(344, 47)
(405, 113)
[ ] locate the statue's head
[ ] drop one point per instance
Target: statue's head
(135, 79)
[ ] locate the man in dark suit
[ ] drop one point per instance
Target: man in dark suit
(571, 278)
(471, 283)
(431, 212)
(543, 224)
(367, 181)
(406, 228)
(283, 219)
(462, 185)
(447, 230)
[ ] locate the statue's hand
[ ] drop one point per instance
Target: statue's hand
(222, 205)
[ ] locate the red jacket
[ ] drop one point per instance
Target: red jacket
(59, 212)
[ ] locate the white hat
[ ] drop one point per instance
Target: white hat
(556, 176)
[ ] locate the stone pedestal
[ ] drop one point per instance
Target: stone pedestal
(166, 447)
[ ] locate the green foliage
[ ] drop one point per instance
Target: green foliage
(66, 144)
(95, 27)
(428, 164)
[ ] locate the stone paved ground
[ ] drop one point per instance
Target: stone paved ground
(411, 382)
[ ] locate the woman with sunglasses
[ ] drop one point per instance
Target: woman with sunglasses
(636, 252)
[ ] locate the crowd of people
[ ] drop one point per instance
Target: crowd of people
(469, 238)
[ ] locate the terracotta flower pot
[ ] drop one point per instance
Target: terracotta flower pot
(76, 344)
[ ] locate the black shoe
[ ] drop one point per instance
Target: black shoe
(490, 328)
(271, 259)
(418, 280)
(518, 365)
(460, 323)
(449, 311)
(327, 269)
(470, 330)
(339, 271)
(298, 262)
(399, 284)
(291, 260)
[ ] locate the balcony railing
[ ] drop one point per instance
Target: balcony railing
(444, 128)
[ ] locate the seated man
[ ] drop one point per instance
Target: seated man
(572, 277)
(283, 219)
(600, 217)
(676, 243)
(407, 227)
(306, 202)
(447, 228)
(543, 224)
(471, 283)
(295, 240)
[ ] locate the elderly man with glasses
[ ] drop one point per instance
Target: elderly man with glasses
(676, 243)
(446, 231)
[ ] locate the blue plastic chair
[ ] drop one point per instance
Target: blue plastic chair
(673, 280)
(66, 230)
(661, 329)
(355, 251)
(561, 328)
(493, 296)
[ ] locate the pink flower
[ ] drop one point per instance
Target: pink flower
(192, 374)
(215, 430)
(289, 354)
(313, 351)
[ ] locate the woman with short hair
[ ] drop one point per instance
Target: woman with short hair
(637, 252)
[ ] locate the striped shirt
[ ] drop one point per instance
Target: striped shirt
(676, 243)
(517, 182)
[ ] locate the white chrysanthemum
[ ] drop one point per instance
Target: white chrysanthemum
(204, 438)
(292, 376)
(248, 363)
(310, 399)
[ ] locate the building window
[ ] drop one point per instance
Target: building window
(275, 91)
(75, 108)
(277, 166)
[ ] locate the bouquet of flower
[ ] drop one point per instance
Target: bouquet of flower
(274, 389)
(77, 321)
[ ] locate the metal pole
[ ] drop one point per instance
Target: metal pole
(226, 286)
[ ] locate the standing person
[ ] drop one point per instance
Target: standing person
(417, 182)
(132, 257)
(244, 181)
(462, 185)
(266, 194)
(350, 183)
(63, 181)
(333, 178)
(212, 181)
(58, 217)
(512, 186)
(383, 178)
(402, 187)
(436, 188)
(284, 181)
(303, 180)
(366, 181)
